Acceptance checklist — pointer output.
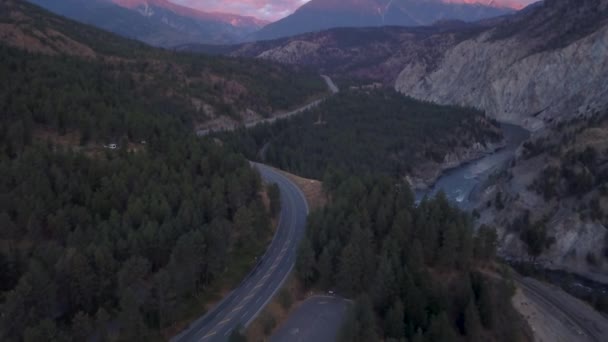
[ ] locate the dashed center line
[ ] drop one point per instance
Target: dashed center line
(209, 334)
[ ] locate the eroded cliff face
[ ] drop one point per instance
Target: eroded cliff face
(557, 188)
(527, 78)
(426, 174)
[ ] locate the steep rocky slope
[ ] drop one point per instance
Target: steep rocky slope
(543, 63)
(551, 205)
(538, 66)
(545, 69)
(377, 54)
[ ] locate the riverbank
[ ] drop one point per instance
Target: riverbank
(458, 183)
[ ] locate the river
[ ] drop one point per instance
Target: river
(459, 183)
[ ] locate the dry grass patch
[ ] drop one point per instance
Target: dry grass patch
(278, 310)
(312, 190)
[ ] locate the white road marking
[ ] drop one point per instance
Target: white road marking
(209, 334)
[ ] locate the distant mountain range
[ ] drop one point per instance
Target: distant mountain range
(166, 24)
(318, 15)
(156, 22)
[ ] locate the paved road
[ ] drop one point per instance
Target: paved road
(333, 88)
(243, 304)
(330, 85)
(318, 319)
(575, 315)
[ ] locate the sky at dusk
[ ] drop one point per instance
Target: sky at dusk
(276, 9)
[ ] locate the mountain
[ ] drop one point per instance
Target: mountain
(531, 68)
(156, 22)
(375, 54)
(318, 15)
(102, 178)
(543, 68)
(194, 89)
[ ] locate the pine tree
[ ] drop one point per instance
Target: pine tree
(395, 321)
(441, 330)
(325, 268)
(385, 287)
(305, 262)
(472, 323)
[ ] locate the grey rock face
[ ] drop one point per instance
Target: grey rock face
(518, 79)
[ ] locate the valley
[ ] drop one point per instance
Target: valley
(356, 171)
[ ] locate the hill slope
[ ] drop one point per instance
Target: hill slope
(542, 66)
(194, 88)
(125, 242)
(156, 22)
(543, 63)
(319, 15)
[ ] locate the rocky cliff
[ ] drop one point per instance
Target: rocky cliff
(424, 175)
(546, 63)
(551, 205)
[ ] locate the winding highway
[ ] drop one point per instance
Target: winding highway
(244, 303)
(331, 86)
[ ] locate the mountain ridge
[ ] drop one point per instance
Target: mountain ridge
(234, 19)
(318, 15)
(156, 22)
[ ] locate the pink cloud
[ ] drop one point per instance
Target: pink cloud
(276, 9)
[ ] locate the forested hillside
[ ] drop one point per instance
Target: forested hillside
(104, 68)
(416, 272)
(123, 242)
(120, 243)
(367, 132)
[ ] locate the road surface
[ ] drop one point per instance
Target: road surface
(581, 321)
(330, 85)
(318, 319)
(243, 304)
(333, 88)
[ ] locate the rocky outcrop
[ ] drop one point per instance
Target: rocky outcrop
(426, 174)
(376, 54)
(523, 78)
(573, 212)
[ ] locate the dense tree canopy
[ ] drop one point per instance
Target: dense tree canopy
(99, 242)
(414, 270)
(130, 236)
(366, 132)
